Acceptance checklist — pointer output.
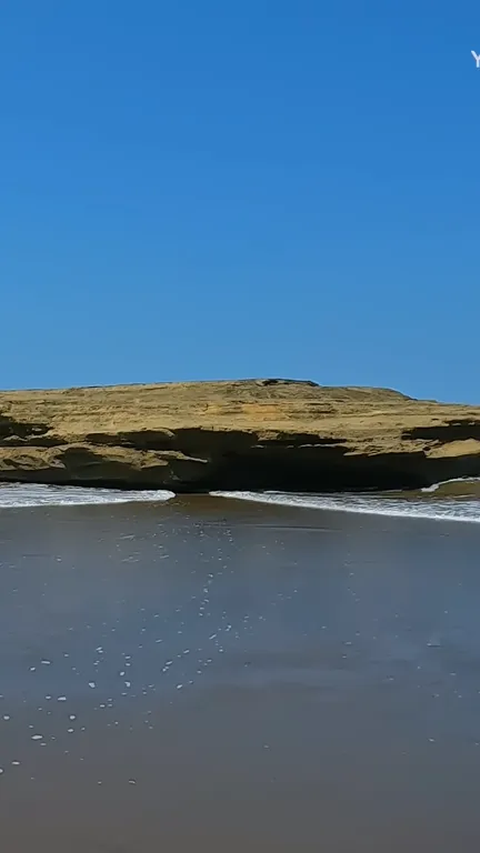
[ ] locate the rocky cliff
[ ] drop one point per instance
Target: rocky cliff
(251, 434)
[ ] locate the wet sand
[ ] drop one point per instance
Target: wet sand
(234, 676)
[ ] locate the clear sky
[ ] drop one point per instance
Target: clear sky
(201, 189)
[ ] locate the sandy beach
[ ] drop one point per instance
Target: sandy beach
(237, 675)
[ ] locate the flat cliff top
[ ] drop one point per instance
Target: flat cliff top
(367, 419)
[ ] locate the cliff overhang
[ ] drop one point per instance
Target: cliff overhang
(248, 435)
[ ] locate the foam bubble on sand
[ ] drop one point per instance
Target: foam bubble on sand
(439, 510)
(14, 495)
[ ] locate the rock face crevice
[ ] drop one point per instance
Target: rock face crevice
(247, 435)
(454, 430)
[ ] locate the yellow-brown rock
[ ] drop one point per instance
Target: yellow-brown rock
(251, 434)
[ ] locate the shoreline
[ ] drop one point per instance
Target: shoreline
(375, 506)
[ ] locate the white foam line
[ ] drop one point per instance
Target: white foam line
(365, 505)
(436, 486)
(19, 495)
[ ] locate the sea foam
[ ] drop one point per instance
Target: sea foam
(466, 510)
(31, 495)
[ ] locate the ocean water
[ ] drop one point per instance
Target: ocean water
(31, 495)
(453, 500)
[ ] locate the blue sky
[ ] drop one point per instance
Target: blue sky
(199, 190)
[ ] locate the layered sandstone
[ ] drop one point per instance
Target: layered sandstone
(250, 434)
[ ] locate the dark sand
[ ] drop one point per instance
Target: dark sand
(262, 679)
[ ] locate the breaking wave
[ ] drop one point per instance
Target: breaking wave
(30, 495)
(441, 509)
(462, 480)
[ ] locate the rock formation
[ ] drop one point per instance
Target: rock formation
(250, 434)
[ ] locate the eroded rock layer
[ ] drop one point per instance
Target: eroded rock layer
(250, 434)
